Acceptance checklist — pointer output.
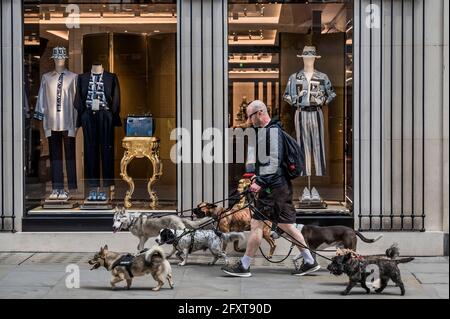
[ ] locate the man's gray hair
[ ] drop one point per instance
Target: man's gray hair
(257, 105)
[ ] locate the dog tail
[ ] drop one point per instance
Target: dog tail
(367, 240)
(404, 260)
(232, 236)
(154, 251)
(194, 224)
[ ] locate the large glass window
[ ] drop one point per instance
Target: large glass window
(114, 55)
(267, 42)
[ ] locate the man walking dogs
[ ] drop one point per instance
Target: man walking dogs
(275, 193)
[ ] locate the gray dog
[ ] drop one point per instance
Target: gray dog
(355, 267)
(318, 238)
(145, 227)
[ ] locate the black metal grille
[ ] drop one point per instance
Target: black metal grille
(389, 218)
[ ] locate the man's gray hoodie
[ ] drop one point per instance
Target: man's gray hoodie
(268, 165)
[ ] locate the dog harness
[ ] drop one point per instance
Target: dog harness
(125, 261)
(191, 246)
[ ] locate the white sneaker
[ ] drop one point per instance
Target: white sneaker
(63, 195)
(306, 195)
(315, 195)
(54, 194)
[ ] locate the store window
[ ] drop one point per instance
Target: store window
(95, 73)
(296, 57)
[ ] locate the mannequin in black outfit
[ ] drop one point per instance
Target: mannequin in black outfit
(98, 106)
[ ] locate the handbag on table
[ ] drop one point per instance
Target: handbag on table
(139, 125)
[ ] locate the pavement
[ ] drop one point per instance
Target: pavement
(49, 275)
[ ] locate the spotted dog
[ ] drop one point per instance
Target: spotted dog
(184, 242)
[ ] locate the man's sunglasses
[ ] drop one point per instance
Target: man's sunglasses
(250, 116)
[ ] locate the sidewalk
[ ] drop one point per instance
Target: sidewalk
(43, 275)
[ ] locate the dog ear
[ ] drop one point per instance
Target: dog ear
(106, 247)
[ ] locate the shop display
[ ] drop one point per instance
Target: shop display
(308, 91)
(140, 147)
(98, 105)
(55, 108)
(122, 83)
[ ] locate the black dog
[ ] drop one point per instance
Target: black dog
(354, 266)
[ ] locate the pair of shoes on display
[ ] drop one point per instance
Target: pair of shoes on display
(311, 196)
(59, 194)
(95, 196)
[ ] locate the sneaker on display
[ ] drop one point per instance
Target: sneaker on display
(306, 196)
(92, 196)
(63, 195)
(315, 195)
(102, 197)
(54, 195)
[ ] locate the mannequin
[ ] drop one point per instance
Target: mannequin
(97, 68)
(55, 107)
(98, 105)
(308, 91)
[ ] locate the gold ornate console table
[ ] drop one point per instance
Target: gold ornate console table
(140, 147)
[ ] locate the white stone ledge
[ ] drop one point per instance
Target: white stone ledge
(410, 244)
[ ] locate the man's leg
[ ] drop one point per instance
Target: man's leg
(309, 265)
(295, 233)
(286, 220)
(253, 243)
(242, 267)
(255, 238)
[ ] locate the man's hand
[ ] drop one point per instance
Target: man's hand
(255, 188)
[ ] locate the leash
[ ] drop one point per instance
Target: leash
(191, 210)
(276, 261)
(292, 240)
(223, 215)
(253, 209)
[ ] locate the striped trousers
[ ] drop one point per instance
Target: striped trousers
(310, 136)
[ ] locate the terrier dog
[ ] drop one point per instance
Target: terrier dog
(354, 266)
(126, 267)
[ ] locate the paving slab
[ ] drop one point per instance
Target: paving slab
(44, 276)
(432, 278)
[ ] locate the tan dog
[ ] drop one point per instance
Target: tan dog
(235, 220)
(125, 267)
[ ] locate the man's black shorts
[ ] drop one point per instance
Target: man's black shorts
(277, 205)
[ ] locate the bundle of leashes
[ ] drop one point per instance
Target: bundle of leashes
(250, 200)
